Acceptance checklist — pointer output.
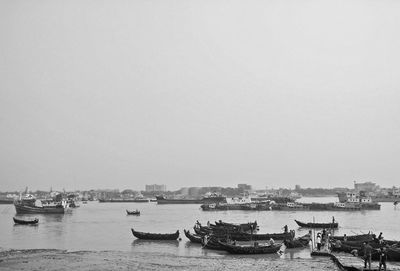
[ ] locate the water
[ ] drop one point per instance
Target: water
(101, 227)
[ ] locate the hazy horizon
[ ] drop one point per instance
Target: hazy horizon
(120, 94)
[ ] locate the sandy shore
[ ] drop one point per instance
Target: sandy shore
(44, 260)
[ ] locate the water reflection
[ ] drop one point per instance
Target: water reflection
(140, 242)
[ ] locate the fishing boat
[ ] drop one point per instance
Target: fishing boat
(242, 236)
(25, 221)
(302, 241)
(358, 237)
(254, 249)
(194, 238)
(155, 236)
(136, 212)
(334, 225)
(29, 205)
(250, 226)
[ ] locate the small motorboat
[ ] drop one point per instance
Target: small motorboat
(25, 221)
(136, 212)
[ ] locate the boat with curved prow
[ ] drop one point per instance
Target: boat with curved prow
(25, 221)
(318, 225)
(155, 236)
(194, 238)
(136, 212)
(254, 249)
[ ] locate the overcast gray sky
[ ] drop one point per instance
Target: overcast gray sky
(119, 94)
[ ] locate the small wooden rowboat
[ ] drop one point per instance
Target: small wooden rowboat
(136, 212)
(26, 221)
(155, 236)
(318, 225)
(194, 238)
(255, 249)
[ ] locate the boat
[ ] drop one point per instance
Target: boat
(25, 221)
(155, 236)
(27, 205)
(250, 226)
(194, 238)
(254, 249)
(302, 241)
(242, 236)
(358, 237)
(318, 225)
(136, 212)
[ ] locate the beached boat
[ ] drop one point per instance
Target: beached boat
(250, 226)
(254, 249)
(136, 212)
(358, 237)
(194, 238)
(25, 221)
(302, 241)
(318, 225)
(242, 236)
(155, 236)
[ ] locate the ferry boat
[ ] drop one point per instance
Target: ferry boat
(354, 200)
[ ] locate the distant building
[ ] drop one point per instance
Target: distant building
(367, 186)
(156, 188)
(244, 186)
(297, 187)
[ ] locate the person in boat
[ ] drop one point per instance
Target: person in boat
(319, 241)
(271, 242)
(255, 244)
(208, 223)
(285, 229)
(345, 238)
(338, 244)
(367, 249)
(380, 238)
(382, 258)
(333, 219)
(234, 242)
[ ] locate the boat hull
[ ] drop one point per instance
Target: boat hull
(23, 209)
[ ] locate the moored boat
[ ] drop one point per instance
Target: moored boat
(318, 225)
(155, 236)
(254, 249)
(136, 212)
(25, 221)
(28, 205)
(194, 238)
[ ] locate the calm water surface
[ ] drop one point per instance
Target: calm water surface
(106, 227)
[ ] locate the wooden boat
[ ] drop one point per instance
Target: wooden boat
(250, 226)
(155, 236)
(302, 241)
(27, 206)
(136, 212)
(359, 237)
(242, 236)
(193, 237)
(255, 249)
(318, 225)
(26, 221)
(212, 242)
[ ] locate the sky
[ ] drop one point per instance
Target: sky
(119, 94)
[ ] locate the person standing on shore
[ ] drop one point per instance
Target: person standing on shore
(382, 258)
(367, 249)
(319, 241)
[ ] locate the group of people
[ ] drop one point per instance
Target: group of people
(368, 250)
